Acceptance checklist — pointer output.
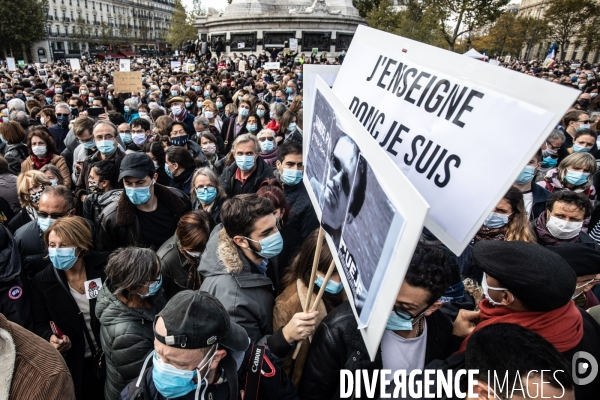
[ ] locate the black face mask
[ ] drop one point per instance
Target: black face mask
(584, 102)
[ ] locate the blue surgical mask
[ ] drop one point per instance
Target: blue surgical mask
(172, 382)
(576, 178)
(139, 195)
(244, 112)
(62, 258)
(3, 140)
(89, 145)
(199, 105)
(219, 104)
(206, 93)
(260, 113)
(266, 146)
(126, 109)
(331, 287)
(270, 246)
(110, 98)
(174, 93)
(395, 323)
(49, 100)
(125, 137)
(188, 104)
(579, 149)
(582, 127)
(54, 182)
(44, 223)
(251, 127)
(245, 163)
(197, 88)
(288, 90)
(526, 175)
(495, 220)
(549, 162)
(153, 288)
(291, 177)
(105, 146)
(167, 171)
(292, 127)
(206, 195)
(277, 100)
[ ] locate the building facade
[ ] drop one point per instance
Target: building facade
(76, 28)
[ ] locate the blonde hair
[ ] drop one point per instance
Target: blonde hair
(27, 179)
(75, 231)
(162, 123)
(232, 108)
(577, 160)
(208, 104)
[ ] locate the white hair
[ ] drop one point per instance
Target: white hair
(16, 105)
(62, 105)
(132, 103)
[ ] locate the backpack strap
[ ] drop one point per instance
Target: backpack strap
(254, 372)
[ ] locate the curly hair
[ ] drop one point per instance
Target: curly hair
(43, 133)
(428, 270)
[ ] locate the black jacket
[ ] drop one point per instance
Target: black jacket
(215, 211)
(15, 294)
(228, 132)
(303, 218)
(118, 225)
(540, 196)
(20, 219)
(175, 268)
(337, 344)
(32, 249)
(95, 203)
(262, 172)
(59, 134)
(51, 302)
(15, 155)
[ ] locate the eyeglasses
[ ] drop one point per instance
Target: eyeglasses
(551, 146)
(36, 188)
(407, 315)
(52, 215)
(204, 189)
(62, 115)
(270, 139)
(587, 121)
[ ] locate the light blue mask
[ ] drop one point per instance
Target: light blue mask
(251, 127)
(125, 137)
(139, 195)
(526, 175)
(245, 163)
(126, 109)
(89, 145)
(3, 140)
(244, 112)
(270, 246)
(260, 113)
(44, 223)
(62, 258)
(288, 90)
(576, 178)
(495, 220)
(105, 147)
(206, 93)
(291, 177)
(549, 162)
(153, 288)
(583, 127)
(331, 287)
(172, 382)
(266, 146)
(581, 149)
(206, 195)
(395, 323)
(167, 171)
(291, 127)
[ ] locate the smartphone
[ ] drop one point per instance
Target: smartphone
(93, 112)
(57, 332)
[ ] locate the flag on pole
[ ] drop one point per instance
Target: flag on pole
(550, 57)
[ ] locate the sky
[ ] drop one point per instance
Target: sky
(217, 4)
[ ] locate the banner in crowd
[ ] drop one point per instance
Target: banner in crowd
(373, 219)
(127, 82)
(459, 129)
(75, 64)
(10, 63)
(124, 65)
(272, 65)
(293, 44)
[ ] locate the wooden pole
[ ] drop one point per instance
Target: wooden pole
(317, 300)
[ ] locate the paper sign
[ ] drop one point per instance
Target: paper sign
(272, 65)
(241, 45)
(42, 73)
(127, 82)
(372, 226)
(21, 63)
(293, 44)
(315, 50)
(74, 64)
(124, 64)
(140, 60)
(92, 288)
(10, 62)
(439, 116)
(189, 67)
(175, 64)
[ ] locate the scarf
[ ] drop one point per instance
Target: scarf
(486, 233)
(40, 162)
(562, 327)
(181, 116)
(553, 183)
(546, 236)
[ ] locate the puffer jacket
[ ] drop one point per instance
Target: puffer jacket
(15, 155)
(126, 336)
(95, 203)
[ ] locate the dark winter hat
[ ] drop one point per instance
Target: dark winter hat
(538, 277)
(196, 319)
(137, 165)
(583, 259)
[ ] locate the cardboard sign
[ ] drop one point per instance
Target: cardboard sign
(74, 64)
(293, 44)
(10, 63)
(446, 120)
(272, 65)
(373, 226)
(124, 64)
(127, 82)
(42, 73)
(189, 67)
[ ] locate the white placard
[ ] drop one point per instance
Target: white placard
(446, 120)
(175, 64)
(293, 44)
(189, 67)
(272, 65)
(124, 65)
(140, 60)
(241, 45)
(75, 66)
(372, 248)
(10, 63)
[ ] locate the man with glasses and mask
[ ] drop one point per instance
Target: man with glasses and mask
(55, 202)
(415, 333)
(61, 129)
(146, 214)
(574, 121)
(550, 151)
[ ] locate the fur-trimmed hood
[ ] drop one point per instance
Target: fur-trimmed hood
(222, 256)
(126, 209)
(8, 355)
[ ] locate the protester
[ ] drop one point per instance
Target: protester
(574, 122)
(268, 146)
(30, 186)
(208, 143)
(8, 186)
(64, 293)
(61, 129)
(13, 135)
(140, 131)
(180, 165)
(288, 125)
(574, 173)
(83, 128)
(42, 151)
(534, 196)
(130, 108)
(178, 137)
(179, 113)
(103, 189)
(148, 213)
(53, 174)
(180, 255)
(127, 305)
(583, 141)
(206, 193)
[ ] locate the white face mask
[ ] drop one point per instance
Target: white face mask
(486, 290)
(562, 229)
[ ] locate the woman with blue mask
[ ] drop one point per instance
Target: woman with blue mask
(127, 304)
(574, 173)
(180, 165)
(289, 128)
(207, 193)
(268, 146)
(295, 284)
(65, 293)
(583, 141)
(131, 110)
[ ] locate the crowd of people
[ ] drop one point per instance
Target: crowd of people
(159, 245)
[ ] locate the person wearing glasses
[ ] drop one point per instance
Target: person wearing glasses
(573, 122)
(268, 146)
(207, 193)
(415, 334)
(65, 294)
(550, 150)
(30, 186)
(127, 305)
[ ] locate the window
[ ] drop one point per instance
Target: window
(87, 17)
(56, 14)
(100, 4)
(72, 18)
(64, 14)
(57, 30)
(78, 3)
(85, 2)
(70, 2)
(93, 5)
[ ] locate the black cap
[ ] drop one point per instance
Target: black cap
(538, 277)
(137, 165)
(196, 319)
(583, 259)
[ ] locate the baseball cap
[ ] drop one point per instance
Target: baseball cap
(197, 319)
(137, 165)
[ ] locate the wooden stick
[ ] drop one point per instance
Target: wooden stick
(313, 273)
(317, 300)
